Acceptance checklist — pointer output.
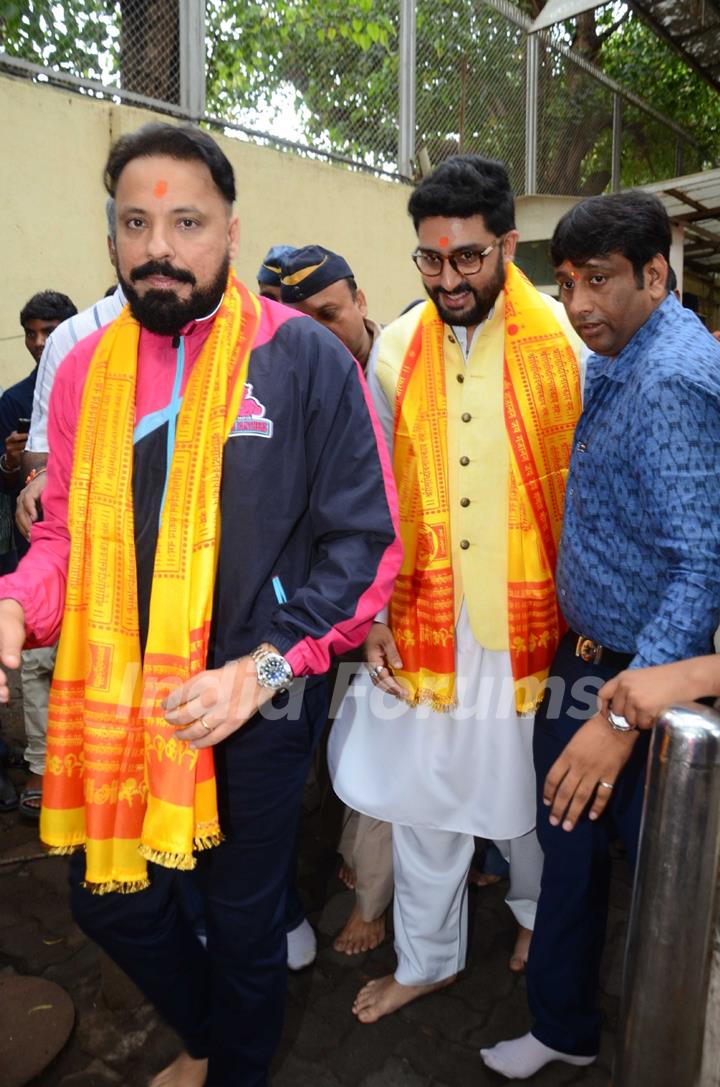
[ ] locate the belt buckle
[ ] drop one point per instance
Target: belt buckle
(588, 650)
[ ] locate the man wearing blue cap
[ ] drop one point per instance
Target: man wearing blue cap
(320, 283)
(271, 269)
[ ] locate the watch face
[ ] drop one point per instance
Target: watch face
(273, 671)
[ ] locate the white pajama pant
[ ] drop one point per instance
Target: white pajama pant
(431, 890)
(36, 674)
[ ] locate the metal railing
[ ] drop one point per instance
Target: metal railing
(379, 85)
(669, 1029)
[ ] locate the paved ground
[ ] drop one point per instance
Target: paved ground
(118, 1040)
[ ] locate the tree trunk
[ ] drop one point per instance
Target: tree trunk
(568, 135)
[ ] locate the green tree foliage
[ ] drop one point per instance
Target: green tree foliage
(334, 63)
(637, 58)
(337, 58)
(134, 40)
(70, 37)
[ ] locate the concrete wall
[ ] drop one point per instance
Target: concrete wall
(537, 216)
(52, 230)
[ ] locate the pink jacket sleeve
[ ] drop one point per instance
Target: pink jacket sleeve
(38, 584)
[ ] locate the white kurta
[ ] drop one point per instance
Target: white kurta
(470, 770)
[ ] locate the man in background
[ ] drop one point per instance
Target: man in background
(320, 283)
(39, 318)
(270, 271)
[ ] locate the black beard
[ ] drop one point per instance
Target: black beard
(162, 311)
(485, 298)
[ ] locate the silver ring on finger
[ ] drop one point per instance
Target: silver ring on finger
(204, 724)
(607, 784)
(373, 672)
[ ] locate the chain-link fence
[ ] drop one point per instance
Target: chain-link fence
(557, 123)
(470, 84)
(324, 78)
(324, 75)
(133, 46)
(575, 121)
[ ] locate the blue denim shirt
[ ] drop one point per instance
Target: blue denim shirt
(639, 562)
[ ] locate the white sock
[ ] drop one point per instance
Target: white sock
(302, 946)
(523, 1057)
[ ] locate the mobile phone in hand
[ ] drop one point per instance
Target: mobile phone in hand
(23, 425)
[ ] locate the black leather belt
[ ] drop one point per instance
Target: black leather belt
(590, 651)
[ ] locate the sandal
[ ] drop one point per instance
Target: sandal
(26, 803)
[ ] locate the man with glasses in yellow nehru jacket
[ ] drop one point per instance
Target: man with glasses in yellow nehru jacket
(478, 393)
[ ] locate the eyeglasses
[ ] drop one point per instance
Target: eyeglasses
(466, 262)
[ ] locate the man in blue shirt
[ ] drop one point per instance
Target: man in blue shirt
(639, 583)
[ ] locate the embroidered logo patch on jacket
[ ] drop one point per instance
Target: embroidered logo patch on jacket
(251, 418)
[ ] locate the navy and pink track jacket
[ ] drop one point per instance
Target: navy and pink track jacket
(309, 547)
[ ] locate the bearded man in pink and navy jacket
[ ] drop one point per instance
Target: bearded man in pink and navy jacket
(306, 557)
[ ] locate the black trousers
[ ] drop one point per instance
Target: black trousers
(567, 944)
(227, 1002)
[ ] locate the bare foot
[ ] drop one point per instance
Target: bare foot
(386, 995)
(482, 879)
(519, 957)
(359, 935)
(184, 1071)
(348, 876)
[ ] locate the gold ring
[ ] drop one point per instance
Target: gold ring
(204, 724)
(606, 784)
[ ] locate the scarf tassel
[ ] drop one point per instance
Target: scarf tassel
(113, 886)
(439, 704)
(184, 862)
(209, 841)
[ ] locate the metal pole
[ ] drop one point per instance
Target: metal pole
(663, 1024)
(531, 114)
(406, 119)
(192, 57)
(616, 143)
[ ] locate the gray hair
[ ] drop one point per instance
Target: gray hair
(111, 219)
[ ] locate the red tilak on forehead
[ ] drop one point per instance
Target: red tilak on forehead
(444, 241)
(160, 188)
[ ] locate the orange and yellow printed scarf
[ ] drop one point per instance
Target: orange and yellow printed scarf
(542, 405)
(118, 781)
